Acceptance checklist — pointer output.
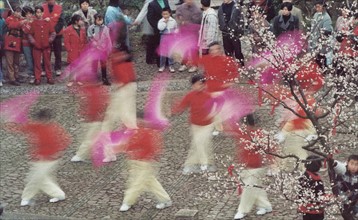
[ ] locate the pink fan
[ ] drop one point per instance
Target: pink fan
(152, 111)
(181, 45)
(16, 109)
(237, 104)
(111, 140)
(290, 44)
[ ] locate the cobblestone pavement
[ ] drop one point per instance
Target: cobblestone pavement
(97, 194)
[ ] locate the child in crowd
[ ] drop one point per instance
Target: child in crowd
(98, 35)
(143, 149)
(28, 14)
(249, 155)
(41, 35)
(166, 25)
(46, 139)
(13, 45)
(311, 190)
(200, 105)
(75, 40)
(347, 185)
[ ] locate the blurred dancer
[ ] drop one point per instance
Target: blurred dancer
(143, 149)
(122, 106)
(200, 103)
(46, 139)
(253, 160)
(93, 100)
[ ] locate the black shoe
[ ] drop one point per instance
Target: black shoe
(20, 80)
(14, 83)
(106, 82)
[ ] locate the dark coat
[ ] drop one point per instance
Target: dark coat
(155, 14)
(235, 25)
(279, 26)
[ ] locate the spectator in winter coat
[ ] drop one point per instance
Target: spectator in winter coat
(87, 13)
(286, 21)
(209, 28)
(295, 12)
(231, 24)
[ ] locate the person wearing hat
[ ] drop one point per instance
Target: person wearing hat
(321, 31)
(200, 105)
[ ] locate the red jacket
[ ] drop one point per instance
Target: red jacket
(41, 34)
(74, 43)
(310, 77)
(348, 44)
(200, 104)
(46, 140)
(219, 70)
(93, 102)
(123, 72)
(54, 16)
(145, 144)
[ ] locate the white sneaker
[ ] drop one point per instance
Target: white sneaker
(43, 73)
(109, 159)
(164, 205)
(263, 211)
(161, 69)
(124, 207)
(239, 215)
(182, 68)
(1, 84)
(25, 202)
(187, 170)
(171, 69)
(215, 133)
(53, 200)
(76, 159)
(204, 167)
(58, 72)
(192, 69)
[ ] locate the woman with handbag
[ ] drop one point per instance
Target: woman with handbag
(12, 45)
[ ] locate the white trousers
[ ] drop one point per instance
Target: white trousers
(90, 131)
(253, 195)
(122, 108)
(142, 179)
(41, 178)
(201, 150)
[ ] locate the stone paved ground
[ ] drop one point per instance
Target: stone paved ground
(97, 194)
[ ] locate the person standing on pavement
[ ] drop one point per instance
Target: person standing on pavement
(86, 12)
(209, 28)
(231, 23)
(13, 45)
(54, 15)
(41, 35)
(154, 15)
(28, 14)
(166, 25)
(188, 16)
(75, 40)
